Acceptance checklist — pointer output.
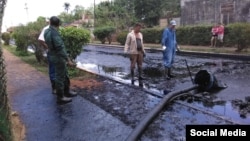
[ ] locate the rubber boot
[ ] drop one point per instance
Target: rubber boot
(68, 92)
(140, 83)
(170, 74)
(166, 74)
(140, 74)
(61, 99)
(132, 76)
(53, 86)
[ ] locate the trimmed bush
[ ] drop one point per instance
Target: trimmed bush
(74, 39)
(6, 38)
(20, 35)
(152, 35)
(104, 33)
(121, 37)
(194, 35)
(239, 35)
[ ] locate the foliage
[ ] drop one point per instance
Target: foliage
(194, 35)
(152, 35)
(183, 35)
(28, 36)
(4, 128)
(78, 12)
(66, 6)
(124, 13)
(66, 18)
(104, 33)
(5, 124)
(145, 13)
(119, 13)
(171, 8)
(121, 37)
(6, 38)
(239, 35)
(74, 39)
(20, 35)
(200, 35)
(30, 59)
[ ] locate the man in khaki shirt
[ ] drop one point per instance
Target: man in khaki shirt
(135, 48)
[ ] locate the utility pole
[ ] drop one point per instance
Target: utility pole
(26, 8)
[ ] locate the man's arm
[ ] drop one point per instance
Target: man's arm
(41, 39)
(43, 44)
(143, 49)
(164, 39)
(127, 44)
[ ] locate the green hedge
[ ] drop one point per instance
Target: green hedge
(152, 35)
(103, 33)
(237, 34)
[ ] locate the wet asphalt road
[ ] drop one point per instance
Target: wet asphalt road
(110, 112)
(44, 120)
(131, 104)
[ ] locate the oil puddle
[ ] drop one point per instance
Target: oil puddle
(122, 75)
(205, 102)
(179, 113)
(235, 111)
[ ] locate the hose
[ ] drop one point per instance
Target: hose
(137, 132)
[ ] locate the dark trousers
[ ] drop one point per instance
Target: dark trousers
(52, 74)
(62, 81)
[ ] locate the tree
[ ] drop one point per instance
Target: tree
(171, 9)
(28, 36)
(78, 12)
(119, 13)
(148, 11)
(2, 6)
(66, 6)
(124, 13)
(66, 18)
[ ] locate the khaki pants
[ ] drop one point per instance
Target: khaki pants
(136, 59)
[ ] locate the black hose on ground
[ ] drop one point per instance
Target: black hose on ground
(137, 132)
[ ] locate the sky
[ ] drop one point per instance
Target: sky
(16, 14)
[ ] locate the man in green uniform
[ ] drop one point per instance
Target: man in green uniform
(60, 59)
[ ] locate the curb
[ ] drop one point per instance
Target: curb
(192, 53)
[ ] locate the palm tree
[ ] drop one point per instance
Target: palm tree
(66, 6)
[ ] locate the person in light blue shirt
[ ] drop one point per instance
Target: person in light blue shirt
(169, 46)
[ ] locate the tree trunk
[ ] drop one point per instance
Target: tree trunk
(2, 6)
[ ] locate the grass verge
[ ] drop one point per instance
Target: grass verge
(30, 59)
(228, 50)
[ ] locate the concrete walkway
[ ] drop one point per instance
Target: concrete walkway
(31, 99)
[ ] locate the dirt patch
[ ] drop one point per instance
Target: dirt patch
(84, 83)
(18, 128)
